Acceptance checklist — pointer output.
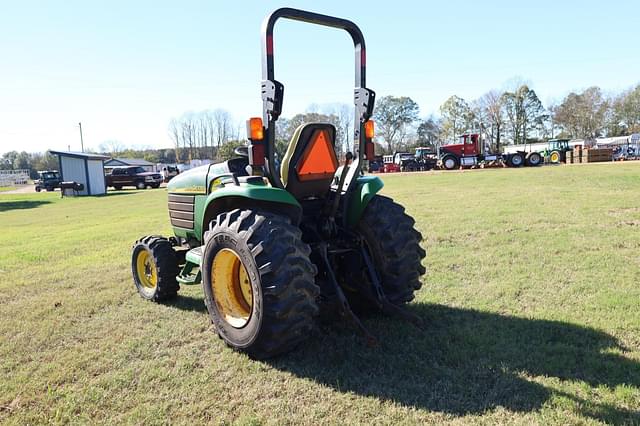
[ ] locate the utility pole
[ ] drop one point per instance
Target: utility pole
(81, 140)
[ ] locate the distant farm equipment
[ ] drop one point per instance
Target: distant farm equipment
(556, 151)
(471, 151)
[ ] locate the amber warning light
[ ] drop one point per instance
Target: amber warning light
(369, 147)
(368, 129)
(256, 131)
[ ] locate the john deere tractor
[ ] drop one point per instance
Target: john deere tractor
(556, 151)
(279, 248)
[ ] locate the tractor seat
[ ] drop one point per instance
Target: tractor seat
(310, 162)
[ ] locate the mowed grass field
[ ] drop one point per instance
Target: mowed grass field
(531, 303)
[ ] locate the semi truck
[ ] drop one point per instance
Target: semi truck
(471, 151)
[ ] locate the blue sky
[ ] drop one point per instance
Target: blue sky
(125, 68)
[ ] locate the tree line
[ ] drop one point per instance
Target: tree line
(213, 134)
(200, 135)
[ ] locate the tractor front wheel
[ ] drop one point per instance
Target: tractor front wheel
(154, 265)
(258, 282)
(394, 245)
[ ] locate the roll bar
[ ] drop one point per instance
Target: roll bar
(318, 19)
(273, 90)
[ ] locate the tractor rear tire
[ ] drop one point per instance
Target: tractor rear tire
(258, 281)
(154, 265)
(394, 246)
(555, 157)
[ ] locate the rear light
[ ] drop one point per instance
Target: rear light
(369, 147)
(368, 129)
(255, 132)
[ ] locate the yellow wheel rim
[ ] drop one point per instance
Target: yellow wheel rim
(555, 157)
(147, 270)
(231, 288)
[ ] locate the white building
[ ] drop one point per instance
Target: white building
(87, 169)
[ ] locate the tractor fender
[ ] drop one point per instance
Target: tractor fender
(247, 196)
(366, 188)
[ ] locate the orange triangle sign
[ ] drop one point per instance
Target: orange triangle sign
(319, 159)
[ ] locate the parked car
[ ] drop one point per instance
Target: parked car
(49, 180)
(133, 176)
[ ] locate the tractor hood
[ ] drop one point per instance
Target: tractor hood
(198, 179)
(192, 181)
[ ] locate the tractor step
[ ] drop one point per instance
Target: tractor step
(190, 273)
(194, 256)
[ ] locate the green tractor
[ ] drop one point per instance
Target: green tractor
(556, 151)
(279, 248)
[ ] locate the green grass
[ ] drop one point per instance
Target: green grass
(531, 301)
(7, 188)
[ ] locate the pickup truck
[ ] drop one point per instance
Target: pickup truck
(133, 176)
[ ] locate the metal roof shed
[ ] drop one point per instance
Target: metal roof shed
(87, 169)
(118, 162)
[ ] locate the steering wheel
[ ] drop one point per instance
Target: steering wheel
(242, 151)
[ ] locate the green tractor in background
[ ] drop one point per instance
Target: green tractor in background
(556, 151)
(275, 248)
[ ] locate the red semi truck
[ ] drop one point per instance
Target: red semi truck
(470, 151)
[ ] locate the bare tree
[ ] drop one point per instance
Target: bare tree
(188, 134)
(492, 111)
(174, 134)
(345, 116)
(112, 146)
(222, 127)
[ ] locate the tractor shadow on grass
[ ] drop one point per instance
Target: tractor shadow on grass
(5, 206)
(188, 303)
(468, 362)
